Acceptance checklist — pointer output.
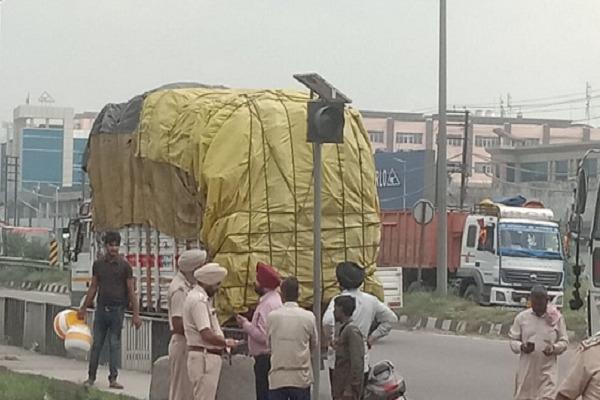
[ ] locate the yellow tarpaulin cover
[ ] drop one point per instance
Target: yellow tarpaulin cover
(246, 152)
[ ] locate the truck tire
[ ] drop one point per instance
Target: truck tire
(473, 293)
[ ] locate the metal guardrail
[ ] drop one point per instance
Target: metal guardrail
(30, 324)
(18, 262)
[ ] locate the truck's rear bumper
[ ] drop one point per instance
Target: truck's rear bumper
(518, 297)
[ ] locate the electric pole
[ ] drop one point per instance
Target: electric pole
(466, 166)
(588, 101)
(442, 175)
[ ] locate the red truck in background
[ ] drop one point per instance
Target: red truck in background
(400, 240)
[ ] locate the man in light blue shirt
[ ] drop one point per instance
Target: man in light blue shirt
(369, 312)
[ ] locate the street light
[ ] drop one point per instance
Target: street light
(26, 204)
(55, 205)
(403, 162)
(57, 189)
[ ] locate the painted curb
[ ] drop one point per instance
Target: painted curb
(452, 326)
(40, 287)
(413, 323)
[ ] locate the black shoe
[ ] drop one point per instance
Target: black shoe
(88, 383)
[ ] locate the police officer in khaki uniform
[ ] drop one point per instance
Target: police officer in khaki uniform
(584, 377)
(205, 340)
(180, 387)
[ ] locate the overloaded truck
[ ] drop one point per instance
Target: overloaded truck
(496, 252)
(230, 170)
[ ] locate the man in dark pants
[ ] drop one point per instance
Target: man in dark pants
(112, 280)
(267, 282)
(371, 316)
(348, 376)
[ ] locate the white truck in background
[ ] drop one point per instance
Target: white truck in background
(507, 250)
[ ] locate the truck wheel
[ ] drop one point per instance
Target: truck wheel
(472, 293)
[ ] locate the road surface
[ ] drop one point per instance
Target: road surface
(436, 366)
(447, 367)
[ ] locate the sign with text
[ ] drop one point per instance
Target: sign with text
(401, 177)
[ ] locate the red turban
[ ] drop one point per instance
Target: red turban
(267, 276)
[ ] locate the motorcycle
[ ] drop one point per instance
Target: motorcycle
(384, 384)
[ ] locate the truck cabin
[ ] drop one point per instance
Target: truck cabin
(515, 231)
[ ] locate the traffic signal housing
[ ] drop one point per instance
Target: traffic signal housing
(325, 122)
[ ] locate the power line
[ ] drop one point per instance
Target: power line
(534, 102)
(587, 119)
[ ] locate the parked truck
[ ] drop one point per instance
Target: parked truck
(230, 170)
(586, 265)
(496, 253)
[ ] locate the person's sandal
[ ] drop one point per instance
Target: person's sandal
(115, 385)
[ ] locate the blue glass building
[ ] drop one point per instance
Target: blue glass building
(42, 161)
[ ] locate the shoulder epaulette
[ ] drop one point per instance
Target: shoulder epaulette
(590, 342)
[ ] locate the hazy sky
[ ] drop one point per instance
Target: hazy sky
(382, 53)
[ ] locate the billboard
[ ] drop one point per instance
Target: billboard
(404, 177)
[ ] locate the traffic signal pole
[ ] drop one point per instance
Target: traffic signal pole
(317, 295)
(442, 175)
(325, 124)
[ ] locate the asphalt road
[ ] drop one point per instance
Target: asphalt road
(435, 366)
(447, 367)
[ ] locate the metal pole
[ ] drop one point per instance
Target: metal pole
(16, 160)
(5, 178)
(463, 176)
(55, 209)
(442, 242)
(421, 247)
(317, 266)
(149, 266)
(83, 179)
(404, 185)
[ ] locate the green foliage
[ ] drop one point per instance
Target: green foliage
(17, 245)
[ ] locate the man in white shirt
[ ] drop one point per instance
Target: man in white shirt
(369, 311)
(292, 336)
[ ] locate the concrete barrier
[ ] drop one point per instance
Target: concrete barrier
(239, 371)
(159, 383)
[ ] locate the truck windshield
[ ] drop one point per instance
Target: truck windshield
(530, 240)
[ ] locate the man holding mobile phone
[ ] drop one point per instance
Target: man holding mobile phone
(538, 335)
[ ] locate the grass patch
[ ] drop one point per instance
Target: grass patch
(16, 386)
(425, 304)
(453, 307)
(25, 275)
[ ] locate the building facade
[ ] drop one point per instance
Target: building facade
(547, 172)
(43, 142)
(393, 131)
(49, 142)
